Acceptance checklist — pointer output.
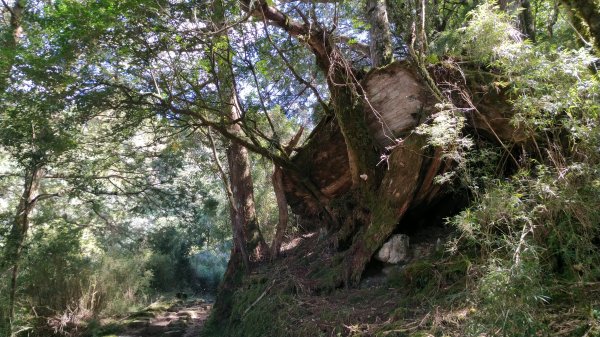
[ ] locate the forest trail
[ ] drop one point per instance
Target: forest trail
(182, 319)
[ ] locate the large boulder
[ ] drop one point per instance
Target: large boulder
(395, 250)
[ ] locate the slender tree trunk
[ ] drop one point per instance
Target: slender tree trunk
(245, 220)
(379, 31)
(525, 21)
(233, 212)
(18, 232)
(277, 180)
(249, 244)
(553, 18)
(12, 41)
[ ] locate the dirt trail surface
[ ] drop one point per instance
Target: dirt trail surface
(183, 319)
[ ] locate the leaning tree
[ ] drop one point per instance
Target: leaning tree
(229, 66)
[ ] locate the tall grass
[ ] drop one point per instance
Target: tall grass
(539, 226)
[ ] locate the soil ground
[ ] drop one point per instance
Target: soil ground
(183, 318)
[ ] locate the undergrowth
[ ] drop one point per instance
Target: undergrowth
(535, 231)
(524, 261)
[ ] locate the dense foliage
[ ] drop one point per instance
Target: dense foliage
(119, 122)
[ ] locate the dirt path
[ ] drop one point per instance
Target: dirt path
(183, 319)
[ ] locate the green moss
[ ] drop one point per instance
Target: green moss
(143, 314)
(422, 276)
(329, 278)
(251, 315)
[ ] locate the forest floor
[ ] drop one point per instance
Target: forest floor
(427, 297)
(181, 318)
(285, 298)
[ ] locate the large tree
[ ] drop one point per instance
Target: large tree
(219, 65)
(35, 129)
(190, 62)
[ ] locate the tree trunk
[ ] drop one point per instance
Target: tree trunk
(18, 232)
(249, 245)
(12, 41)
(379, 31)
(589, 12)
(244, 220)
(243, 212)
(412, 168)
(282, 204)
(233, 212)
(525, 21)
(403, 100)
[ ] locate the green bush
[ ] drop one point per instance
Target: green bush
(62, 283)
(507, 297)
(120, 283)
(164, 273)
(55, 271)
(209, 267)
(170, 260)
(537, 229)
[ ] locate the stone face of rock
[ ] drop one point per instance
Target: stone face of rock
(395, 250)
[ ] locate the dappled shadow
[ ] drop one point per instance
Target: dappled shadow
(183, 319)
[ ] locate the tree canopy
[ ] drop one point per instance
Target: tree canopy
(157, 146)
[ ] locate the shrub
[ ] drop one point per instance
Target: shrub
(170, 260)
(120, 283)
(543, 219)
(209, 267)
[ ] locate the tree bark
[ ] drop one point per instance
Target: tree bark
(237, 232)
(248, 243)
(12, 41)
(18, 232)
(282, 205)
(244, 219)
(379, 31)
(589, 12)
(525, 21)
